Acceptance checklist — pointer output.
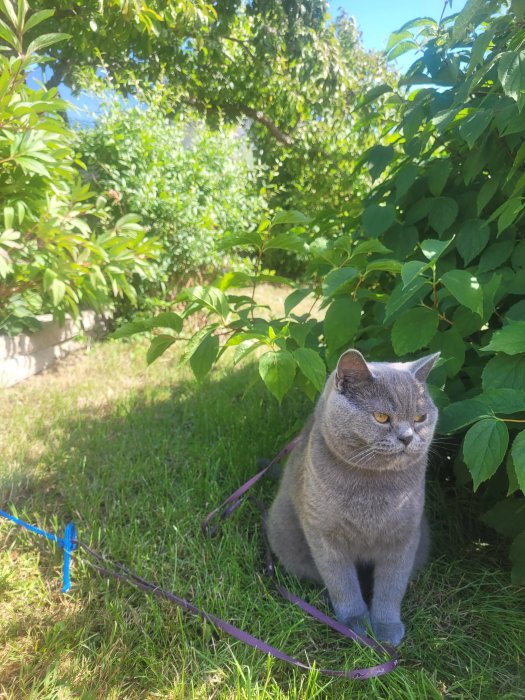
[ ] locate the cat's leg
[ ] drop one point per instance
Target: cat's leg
(391, 575)
(423, 547)
(341, 579)
(287, 539)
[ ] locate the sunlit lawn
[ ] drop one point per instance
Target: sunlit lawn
(136, 457)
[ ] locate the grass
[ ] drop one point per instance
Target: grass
(136, 457)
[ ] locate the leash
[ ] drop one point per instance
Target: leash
(226, 508)
(109, 569)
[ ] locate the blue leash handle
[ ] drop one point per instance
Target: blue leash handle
(67, 543)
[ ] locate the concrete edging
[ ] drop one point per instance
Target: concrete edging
(26, 354)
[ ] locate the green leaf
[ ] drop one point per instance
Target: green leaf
(370, 246)
(166, 319)
(44, 41)
(204, 356)
(402, 48)
(509, 213)
(516, 312)
(378, 158)
(290, 217)
(277, 370)
(494, 256)
(373, 94)
(341, 323)
(414, 330)
(484, 447)
(158, 346)
(474, 125)
(386, 265)
(286, 241)
(58, 290)
(452, 348)
(247, 238)
(511, 73)
(510, 339)
(295, 298)
(438, 175)
(460, 414)
(507, 517)
(465, 288)
(405, 178)
(8, 35)
(442, 213)
(472, 238)
(337, 280)
(300, 331)
(312, 366)
(405, 296)
(517, 556)
(505, 371)
(433, 249)
(466, 19)
(504, 400)
(48, 278)
(378, 218)
(37, 18)
(518, 458)
(411, 270)
(211, 297)
(131, 328)
(486, 193)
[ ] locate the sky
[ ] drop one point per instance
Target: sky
(377, 19)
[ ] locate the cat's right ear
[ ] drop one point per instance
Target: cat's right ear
(352, 368)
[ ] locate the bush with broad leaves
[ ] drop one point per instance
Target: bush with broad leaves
(61, 248)
(435, 261)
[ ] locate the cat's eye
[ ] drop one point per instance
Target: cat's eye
(420, 418)
(381, 417)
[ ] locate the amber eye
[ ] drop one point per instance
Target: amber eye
(381, 417)
(420, 418)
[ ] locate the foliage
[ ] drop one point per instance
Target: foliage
(288, 73)
(434, 262)
(59, 249)
(190, 184)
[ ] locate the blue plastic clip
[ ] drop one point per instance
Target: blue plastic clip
(70, 535)
(67, 543)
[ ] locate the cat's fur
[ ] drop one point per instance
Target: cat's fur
(349, 510)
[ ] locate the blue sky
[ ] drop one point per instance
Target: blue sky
(378, 18)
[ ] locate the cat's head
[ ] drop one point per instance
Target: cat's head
(379, 415)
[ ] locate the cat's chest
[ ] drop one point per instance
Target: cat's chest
(373, 507)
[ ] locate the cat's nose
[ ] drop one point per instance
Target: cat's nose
(406, 438)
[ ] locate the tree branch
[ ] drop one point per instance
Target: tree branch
(236, 109)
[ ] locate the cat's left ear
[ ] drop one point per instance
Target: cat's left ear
(421, 368)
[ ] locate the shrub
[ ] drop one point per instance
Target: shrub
(59, 248)
(434, 261)
(190, 184)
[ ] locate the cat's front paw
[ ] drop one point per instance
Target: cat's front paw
(358, 624)
(392, 632)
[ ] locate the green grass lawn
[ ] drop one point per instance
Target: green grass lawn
(136, 457)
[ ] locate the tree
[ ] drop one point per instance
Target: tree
(280, 66)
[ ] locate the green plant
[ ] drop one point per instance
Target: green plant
(60, 249)
(192, 185)
(434, 261)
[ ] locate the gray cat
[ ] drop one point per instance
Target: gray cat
(349, 510)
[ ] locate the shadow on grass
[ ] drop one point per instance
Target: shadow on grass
(138, 477)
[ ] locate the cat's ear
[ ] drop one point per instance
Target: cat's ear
(421, 368)
(352, 367)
